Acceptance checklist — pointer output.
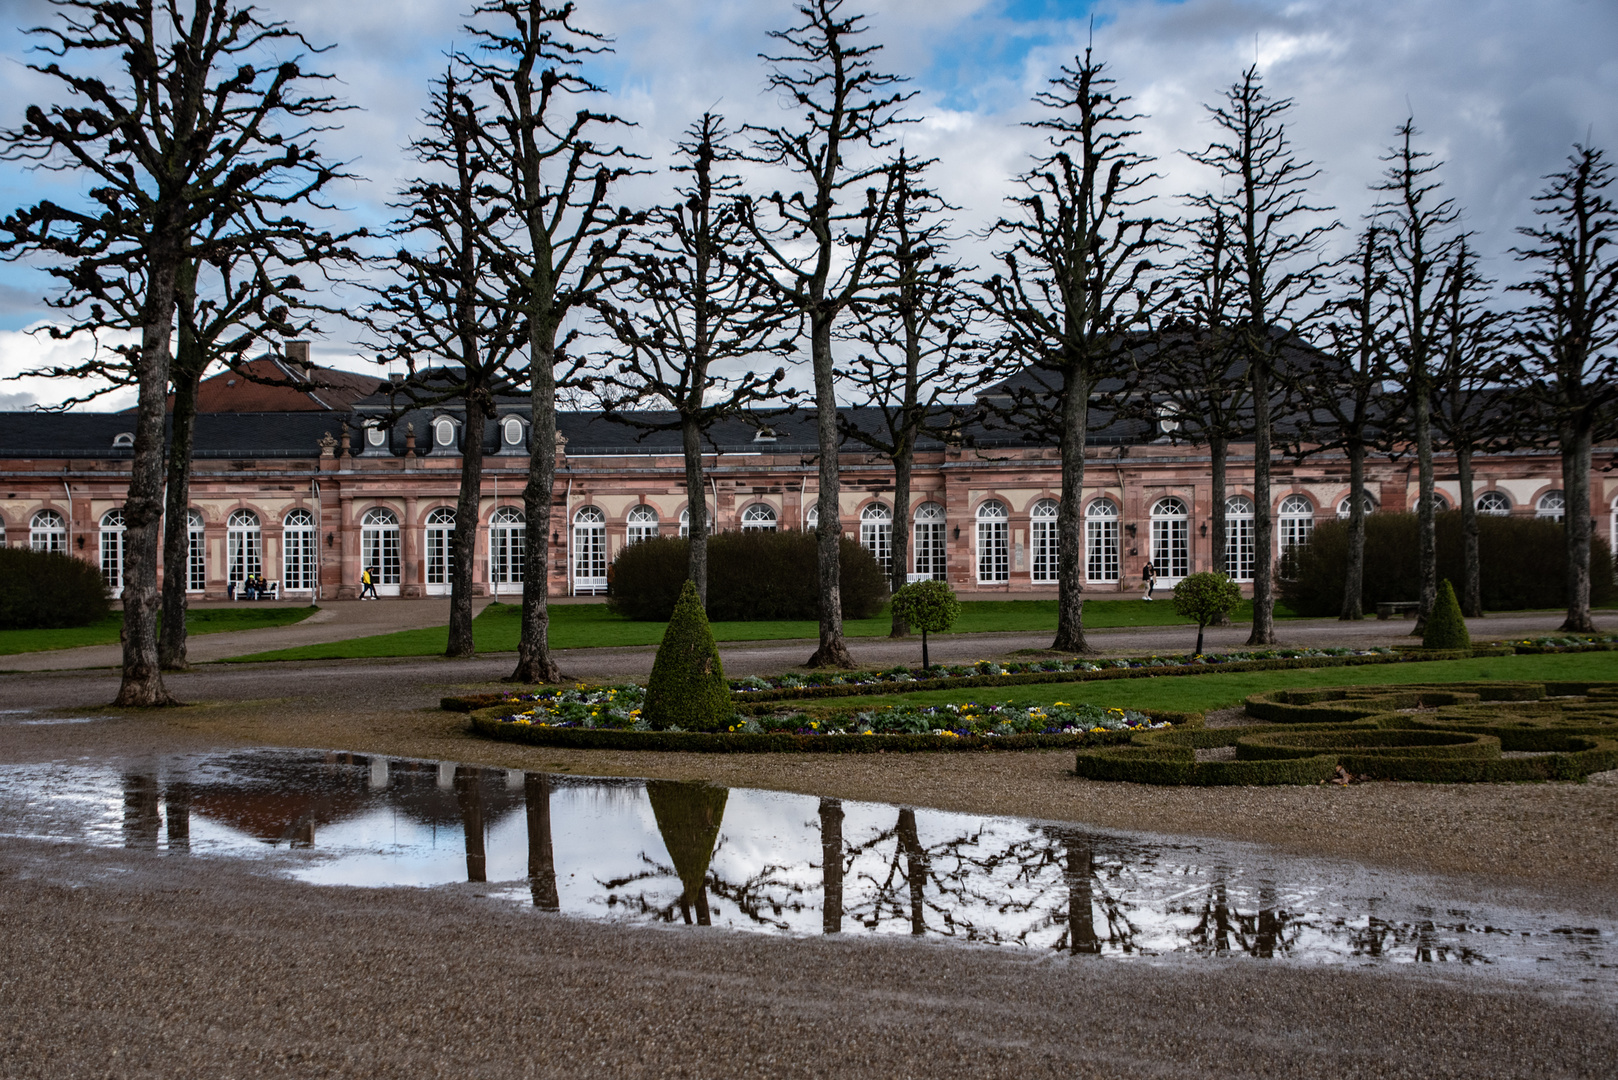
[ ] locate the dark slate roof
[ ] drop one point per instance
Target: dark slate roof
(218, 435)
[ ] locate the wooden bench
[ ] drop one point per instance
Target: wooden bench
(1389, 608)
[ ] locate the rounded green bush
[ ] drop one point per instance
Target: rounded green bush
(42, 590)
(687, 688)
(927, 605)
(1446, 626)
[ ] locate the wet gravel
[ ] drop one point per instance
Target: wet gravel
(114, 966)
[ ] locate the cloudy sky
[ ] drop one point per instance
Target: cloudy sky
(1500, 89)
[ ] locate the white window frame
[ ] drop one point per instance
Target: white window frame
(760, 517)
(1044, 542)
(511, 431)
(589, 549)
(930, 550)
(379, 548)
(1296, 521)
(1552, 506)
(440, 443)
(300, 548)
(994, 543)
(47, 531)
(112, 551)
(1171, 539)
(1241, 547)
(876, 535)
(439, 545)
(643, 524)
(508, 545)
(244, 546)
(1101, 542)
(1343, 505)
(1494, 504)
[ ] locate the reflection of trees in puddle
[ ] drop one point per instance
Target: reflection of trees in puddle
(688, 818)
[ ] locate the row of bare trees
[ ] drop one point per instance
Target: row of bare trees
(1223, 319)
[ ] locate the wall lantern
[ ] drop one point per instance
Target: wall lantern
(957, 532)
(1130, 529)
(80, 539)
(1204, 530)
(328, 539)
(556, 537)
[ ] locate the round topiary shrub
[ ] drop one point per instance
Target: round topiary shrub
(687, 688)
(1446, 626)
(928, 606)
(42, 590)
(1204, 597)
(751, 576)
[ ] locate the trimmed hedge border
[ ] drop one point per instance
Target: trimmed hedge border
(470, 702)
(485, 722)
(1357, 730)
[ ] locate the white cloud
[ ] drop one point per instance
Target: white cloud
(22, 351)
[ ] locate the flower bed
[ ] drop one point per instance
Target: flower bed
(1566, 644)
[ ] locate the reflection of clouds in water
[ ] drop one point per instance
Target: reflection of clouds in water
(602, 851)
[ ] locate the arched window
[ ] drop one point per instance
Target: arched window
(379, 547)
(994, 542)
(811, 520)
(244, 546)
(48, 532)
(124, 440)
(876, 535)
(440, 550)
(1552, 505)
(444, 434)
(112, 550)
(1043, 540)
(589, 549)
(1171, 540)
(511, 433)
(508, 539)
(643, 524)
(298, 547)
(685, 521)
(1239, 546)
(759, 517)
(376, 436)
(1101, 540)
(1368, 503)
(1297, 521)
(931, 558)
(1494, 503)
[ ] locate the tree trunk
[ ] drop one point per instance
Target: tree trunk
(1427, 538)
(899, 543)
(171, 641)
(541, 859)
(1354, 577)
(1070, 515)
(469, 794)
(1472, 587)
(696, 506)
(534, 663)
(915, 869)
(1263, 521)
(463, 541)
(143, 507)
(1079, 874)
(1219, 460)
(1576, 526)
(831, 865)
(832, 652)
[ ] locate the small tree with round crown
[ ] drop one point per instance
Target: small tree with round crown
(927, 606)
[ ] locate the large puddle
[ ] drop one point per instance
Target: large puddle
(689, 854)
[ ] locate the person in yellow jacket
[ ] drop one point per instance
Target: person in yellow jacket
(368, 585)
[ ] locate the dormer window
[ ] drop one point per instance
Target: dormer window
(375, 436)
(764, 434)
(124, 440)
(511, 432)
(444, 433)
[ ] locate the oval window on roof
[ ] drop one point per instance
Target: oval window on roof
(123, 440)
(512, 431)
(375, 435)
(444, 432)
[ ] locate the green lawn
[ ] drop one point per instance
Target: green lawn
(105, 632)
(1199, 693)
(585, 626)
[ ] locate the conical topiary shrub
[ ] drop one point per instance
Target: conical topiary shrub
(1446, 626)
(687, 688)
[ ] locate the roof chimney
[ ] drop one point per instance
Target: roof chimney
(298, 353)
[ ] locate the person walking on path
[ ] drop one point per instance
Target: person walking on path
(368, 585)
(1148, 577)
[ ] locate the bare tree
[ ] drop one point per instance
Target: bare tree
(1077, 288)
(1280, 275)
(1417, 221)
(176, 129)
(919, 346)
(1341, 391)
(1567, 337)
(450, 304)
(1195, 383)
(693, 300)
(1467, 405)
(817, 240)
(556, 177)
